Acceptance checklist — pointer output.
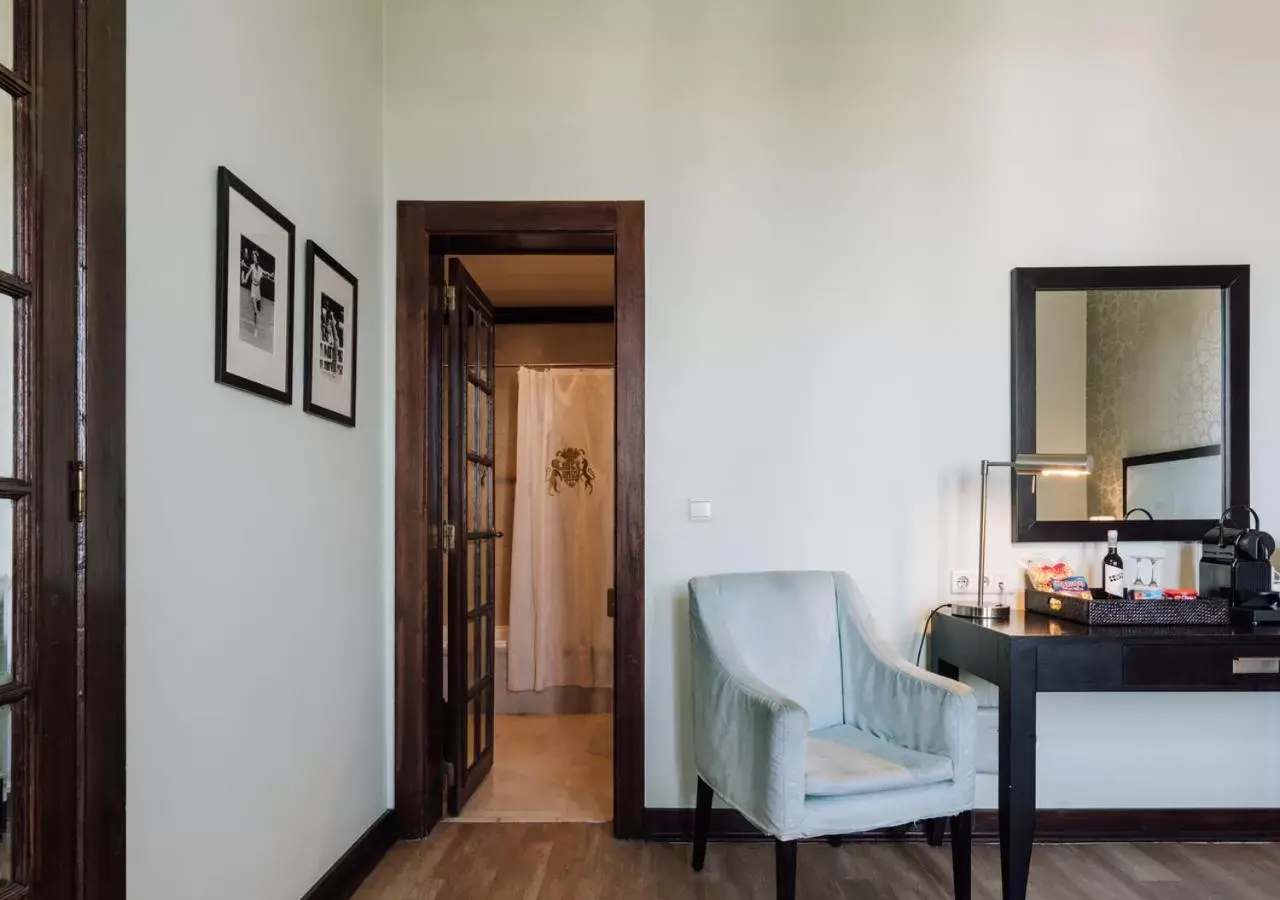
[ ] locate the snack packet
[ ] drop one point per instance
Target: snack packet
(1041, 573)
(1075, 586)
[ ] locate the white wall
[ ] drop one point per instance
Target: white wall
(257, 725)
(1061, 352)
(835, 194)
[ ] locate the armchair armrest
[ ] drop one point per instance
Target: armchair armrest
(895, 700)
(749, 740)
(915, 708)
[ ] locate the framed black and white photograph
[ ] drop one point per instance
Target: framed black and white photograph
(329, 375)
(254, 342)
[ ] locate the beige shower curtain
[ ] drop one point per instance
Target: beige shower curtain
(562, 531)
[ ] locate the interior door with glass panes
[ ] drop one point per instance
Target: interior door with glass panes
(471, 590)
(42, 419)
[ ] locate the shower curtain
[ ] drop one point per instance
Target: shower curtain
(562, 531)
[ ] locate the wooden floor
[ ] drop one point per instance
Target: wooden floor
(584, 862)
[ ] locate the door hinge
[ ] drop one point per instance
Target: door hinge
(450, 298)
(610, 603)
(78, 491)
(450, 536)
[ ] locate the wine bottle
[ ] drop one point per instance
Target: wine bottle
(1113, 568)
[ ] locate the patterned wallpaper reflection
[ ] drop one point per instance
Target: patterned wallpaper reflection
(1153, 380)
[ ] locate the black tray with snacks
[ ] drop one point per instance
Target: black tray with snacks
(1102, 610)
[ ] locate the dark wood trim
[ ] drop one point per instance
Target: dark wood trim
(103, 704)
(1053, 826)
(554, 315)
(548, 217)
(629, 650)
(51, 750)
(1233, 281)
(424, 229)
(313, 252)
(353, 867)
(563, 243)
(14, 286)
(12, 84)
(415, 768)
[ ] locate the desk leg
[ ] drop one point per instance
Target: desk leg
(1017, 772)
(935, 829)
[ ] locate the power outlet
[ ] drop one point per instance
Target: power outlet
(965, 581)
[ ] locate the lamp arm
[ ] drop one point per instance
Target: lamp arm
(982, 527)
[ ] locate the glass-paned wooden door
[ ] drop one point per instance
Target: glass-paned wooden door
(41, 542)
(471, 596)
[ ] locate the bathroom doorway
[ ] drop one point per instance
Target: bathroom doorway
(566, 713)
(527, 415)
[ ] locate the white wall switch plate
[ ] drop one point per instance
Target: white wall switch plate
(699, 510)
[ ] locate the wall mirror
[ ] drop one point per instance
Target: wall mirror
(1147, 370)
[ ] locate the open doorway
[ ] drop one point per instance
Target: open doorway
(549, 729)
(530, 656)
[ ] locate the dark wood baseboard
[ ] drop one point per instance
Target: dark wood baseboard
(354, 866)
(1053, 826)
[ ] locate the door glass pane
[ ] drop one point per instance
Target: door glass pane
(6, 33)
(7, 342)
(469, 575)
(473, 649)
(487, 724)
(486, 583)
(6, 591)
(470, 759)
(6, 179)
(7, 811)
(482, 644)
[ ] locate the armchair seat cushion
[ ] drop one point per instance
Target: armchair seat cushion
(842, 760)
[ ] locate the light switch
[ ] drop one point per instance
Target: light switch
(699, 510)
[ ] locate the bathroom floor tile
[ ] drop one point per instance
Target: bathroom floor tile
(547, 769)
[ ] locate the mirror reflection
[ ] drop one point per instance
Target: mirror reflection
(1133, 378)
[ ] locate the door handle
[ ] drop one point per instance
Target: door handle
(610, 603)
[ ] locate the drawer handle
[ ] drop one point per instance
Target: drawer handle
(1255, 665)
(1055, 604)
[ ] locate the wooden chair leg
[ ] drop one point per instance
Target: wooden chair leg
(784, 867)
(934, 831)
(962, 854)
(701, 825)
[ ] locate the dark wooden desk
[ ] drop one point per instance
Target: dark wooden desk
(1030, 654)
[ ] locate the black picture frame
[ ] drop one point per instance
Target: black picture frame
(1233, 284)
(315, 252)
(228, 182)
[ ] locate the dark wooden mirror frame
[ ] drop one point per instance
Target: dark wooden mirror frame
(1233, 282)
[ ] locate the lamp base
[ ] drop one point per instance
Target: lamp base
(987, 612)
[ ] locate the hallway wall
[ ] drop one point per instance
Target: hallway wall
(258, 692)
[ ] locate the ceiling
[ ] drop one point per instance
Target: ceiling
(550, 280)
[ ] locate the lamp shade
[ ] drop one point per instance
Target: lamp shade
(1053, 464)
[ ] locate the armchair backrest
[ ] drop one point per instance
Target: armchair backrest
(783, 629)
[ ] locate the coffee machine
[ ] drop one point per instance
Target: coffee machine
(1235, 563)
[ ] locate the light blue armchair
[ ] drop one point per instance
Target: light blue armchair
(811, 726)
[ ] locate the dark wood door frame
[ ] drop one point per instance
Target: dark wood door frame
(422, 231)
(69, 60)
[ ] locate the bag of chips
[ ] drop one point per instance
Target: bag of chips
(1055, 576)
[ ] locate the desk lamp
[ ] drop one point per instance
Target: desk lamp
(1048, 464)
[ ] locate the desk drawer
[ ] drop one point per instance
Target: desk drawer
(1209, 666)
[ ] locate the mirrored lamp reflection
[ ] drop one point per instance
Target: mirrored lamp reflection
(1050, 465)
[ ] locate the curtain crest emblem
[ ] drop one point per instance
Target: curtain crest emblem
(570, 467)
